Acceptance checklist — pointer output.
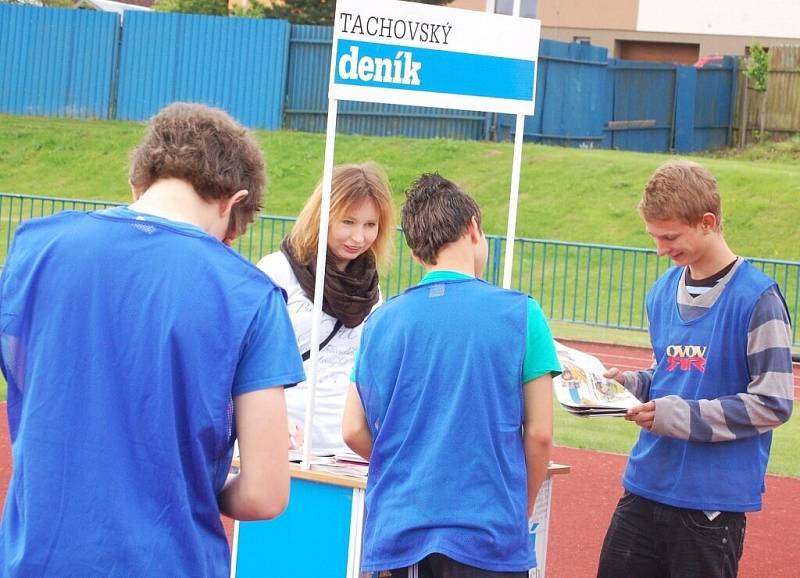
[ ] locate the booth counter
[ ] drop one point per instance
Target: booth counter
(319, 534)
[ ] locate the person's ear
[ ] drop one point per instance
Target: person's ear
(226, 205)
(135, 191)
(474, 230)
(226, 212)
(709, 222)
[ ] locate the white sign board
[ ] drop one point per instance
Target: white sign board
(420, 55)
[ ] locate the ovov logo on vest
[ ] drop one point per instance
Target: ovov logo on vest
(686, 357)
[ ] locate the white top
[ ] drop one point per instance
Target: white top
(335, 361)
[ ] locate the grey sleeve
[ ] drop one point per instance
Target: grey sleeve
(768, 399)
(638, 382)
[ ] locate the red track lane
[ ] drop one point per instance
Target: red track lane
(584, 500)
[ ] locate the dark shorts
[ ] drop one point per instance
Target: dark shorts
(647, 539)
(440, 566)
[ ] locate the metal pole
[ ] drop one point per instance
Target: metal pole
(514, 197)
(319, 281)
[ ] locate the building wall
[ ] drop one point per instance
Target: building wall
(609, 14)
(469, 4)
(748, 18)
(676, 30)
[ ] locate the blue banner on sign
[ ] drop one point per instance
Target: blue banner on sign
(422, 69)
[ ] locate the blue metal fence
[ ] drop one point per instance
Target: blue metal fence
(591, 284)
(642, 107)
(237, 64)
(571, 95)
(56, 62)
(715, 100)
(587, 100)
(72, 63)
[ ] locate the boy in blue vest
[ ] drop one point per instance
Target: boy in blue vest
(136, 346)
(721, 381)
(452, 404)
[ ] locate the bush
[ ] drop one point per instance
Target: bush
(207, 7)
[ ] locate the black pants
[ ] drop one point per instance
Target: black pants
(440, 566)
(651, 540)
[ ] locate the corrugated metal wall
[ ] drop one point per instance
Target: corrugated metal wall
(571, 95)
(307, 100)
(585, 99)
(64, 63)
(714, 100)
(237, 64)
(56, 62)
(644, 98)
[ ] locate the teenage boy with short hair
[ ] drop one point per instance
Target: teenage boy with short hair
(455, 376)
(722, 380)
(136, 346)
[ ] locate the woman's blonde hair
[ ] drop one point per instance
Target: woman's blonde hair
(350, 185)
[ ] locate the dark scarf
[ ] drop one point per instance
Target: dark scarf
(350, 294)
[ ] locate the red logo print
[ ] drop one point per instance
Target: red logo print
(685, 357)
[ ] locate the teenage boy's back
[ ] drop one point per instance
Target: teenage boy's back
(126, 338)
(441, 374)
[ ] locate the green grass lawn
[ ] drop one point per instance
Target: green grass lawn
(565, 194)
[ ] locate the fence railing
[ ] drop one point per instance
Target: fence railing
(590, 284)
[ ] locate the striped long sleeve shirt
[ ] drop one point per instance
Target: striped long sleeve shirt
(768, 400)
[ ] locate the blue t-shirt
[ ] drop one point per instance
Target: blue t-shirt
(124, 338)
(440, 375)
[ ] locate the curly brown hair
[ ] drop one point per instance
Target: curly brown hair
(207, 148)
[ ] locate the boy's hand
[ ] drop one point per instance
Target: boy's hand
(643, 415)
(614, 373)
(296, 436)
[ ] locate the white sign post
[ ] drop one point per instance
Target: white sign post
(416, 54)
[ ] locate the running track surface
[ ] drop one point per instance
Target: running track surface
(584, 500)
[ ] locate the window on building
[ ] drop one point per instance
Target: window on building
(527, 8)
(582, 39)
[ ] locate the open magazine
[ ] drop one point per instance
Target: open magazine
(582, 390)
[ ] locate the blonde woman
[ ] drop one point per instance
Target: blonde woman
(359, 239)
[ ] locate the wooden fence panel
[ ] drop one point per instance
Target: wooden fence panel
(782, 112)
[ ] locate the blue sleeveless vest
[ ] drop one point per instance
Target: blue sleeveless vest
(705, 358)
(440, 375)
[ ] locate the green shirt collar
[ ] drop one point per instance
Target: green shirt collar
(443, 275)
